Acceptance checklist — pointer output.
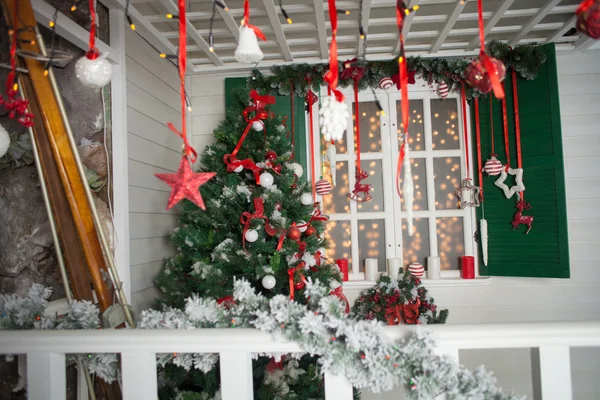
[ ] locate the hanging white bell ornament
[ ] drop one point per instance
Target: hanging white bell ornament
(268, 281)
(333, 118)
(301, 225)
(331, 155)
(306, 199)
(251, 235)
(4, 141)
(266, 180)
(443, 90)
(258, 126)
(296, 168)
(248, 51)
(483, 228)
(93, 72)
(408, 191)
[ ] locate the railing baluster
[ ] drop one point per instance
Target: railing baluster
(236, 375)
(337, 387)
(46, 376)
(551, 370)
(139, 376)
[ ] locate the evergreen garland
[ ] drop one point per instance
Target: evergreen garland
(525, 59)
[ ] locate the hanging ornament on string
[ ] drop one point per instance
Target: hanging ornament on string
(493, 166)
(311, 99)
(483, 225)
(323, 187)
(485, 73)
(331, 156)
(93, 69)
(185, 183)
(468, 194)
(334, 111)
(248, 51)
(443, 90)
(385, 83)
(588, 18)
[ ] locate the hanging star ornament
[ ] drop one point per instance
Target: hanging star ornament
(186, 184)
(519, 186)
(468, 194)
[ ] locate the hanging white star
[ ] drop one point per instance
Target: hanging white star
(468, 195)
(519, 186)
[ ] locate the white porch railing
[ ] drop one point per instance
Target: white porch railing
(46, 354)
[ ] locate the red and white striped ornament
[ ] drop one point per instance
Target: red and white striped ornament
(323, 187)
(386, 83)
(416, 270)
(493, 166)
(443, 90)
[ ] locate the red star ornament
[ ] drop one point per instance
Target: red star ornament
(185, 184)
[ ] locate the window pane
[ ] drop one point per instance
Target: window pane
(417, 166)
(415, 248)
(337, 201)
(444, 124)
(415, 125)
(373, 167)
(371, 242)
(340, 242)
(370, 132)
(446, 180)
(451, 244)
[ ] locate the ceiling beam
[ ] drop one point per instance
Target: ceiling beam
(366, 14)
(276, 25)
(460, 5)
(172, 8)
(229, 21)
(321, 29)
(561, 31)
(407, 23)
(492, 22)
(534, 21)
(584, 43)
(146, 29)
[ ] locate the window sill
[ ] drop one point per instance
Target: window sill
(428, 283)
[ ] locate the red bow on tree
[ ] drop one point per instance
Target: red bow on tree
(339, 292)
(411, 78)
(352, 70)
(403, 313)
(247, 217)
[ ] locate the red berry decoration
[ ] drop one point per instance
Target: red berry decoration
(477, 76)
(299, 285)
(270, 155)
(310, 231)
(588, 18)
(294, 233)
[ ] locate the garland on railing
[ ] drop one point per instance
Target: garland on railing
(358, 350)
(525, 59)
(29, 313)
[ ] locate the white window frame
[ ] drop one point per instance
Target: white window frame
(391, 199)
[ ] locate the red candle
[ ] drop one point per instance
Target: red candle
(467, 267)
(343, 264)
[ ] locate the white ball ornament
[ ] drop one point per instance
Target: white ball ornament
(333, 118)
(268, 281)
(300, 226)
(280, 128)
(266, 180)
(258, 126)
(4, 141)
(95, 73)
(335, 284)
(251, 235)
(238, 169)
(306, 199)
(296, 168)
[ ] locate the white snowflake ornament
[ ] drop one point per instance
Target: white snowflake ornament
(333, 118)
(519, 186)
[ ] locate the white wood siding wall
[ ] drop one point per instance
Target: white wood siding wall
(516, 299)
(152, 101)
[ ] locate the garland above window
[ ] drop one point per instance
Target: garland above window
(526, 60)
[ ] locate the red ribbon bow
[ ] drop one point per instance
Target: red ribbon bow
(233, 163)
(331, 77)
(291, 273)
(246, 21)
(226, 301)
(247, 217)
(352, 71)
(188, 150)
(403, 313)
(339, 292)
(411, 78)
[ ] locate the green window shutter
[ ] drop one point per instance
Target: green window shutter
(280, 108)
(544, 252)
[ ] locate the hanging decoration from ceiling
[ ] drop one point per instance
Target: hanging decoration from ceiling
(311, 99)
(526, 59)
(588, 18)
(331, 156)
(93, 69)
(185, 183)
(467, 194)
(493, 166)
(248, 51)
(483, 224)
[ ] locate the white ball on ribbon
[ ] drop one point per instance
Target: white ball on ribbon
(94, 73)
(296, 168)
(238, 169)
(268, 281)
(251, 235)
(266, 180)
(306, 199)
(4, 141)
(258, 126)
(333, 118)
(301, 225)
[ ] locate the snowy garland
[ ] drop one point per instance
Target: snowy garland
(358, 350)
(29, 313)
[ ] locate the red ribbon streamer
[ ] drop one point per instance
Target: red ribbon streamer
(310, 100)
(331, 77)
(403, 71)
(291, 274)
(93, 52)
(517, 124)
(492, 125)
(478, 136)
(466, 129)
(292, 95)
(485, 59)
(188, 149)
(339, 292)
(246, 21)
(357, 122)
(506, 144)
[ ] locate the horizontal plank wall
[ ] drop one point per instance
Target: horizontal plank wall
(152, 101)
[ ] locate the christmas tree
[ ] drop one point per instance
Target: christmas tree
(260, 224)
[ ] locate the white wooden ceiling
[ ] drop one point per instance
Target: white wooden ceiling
(439, 27)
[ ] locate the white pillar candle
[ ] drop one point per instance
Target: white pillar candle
(433, 268)
(371, 269)
(394, 265)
